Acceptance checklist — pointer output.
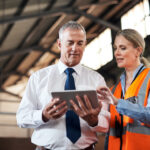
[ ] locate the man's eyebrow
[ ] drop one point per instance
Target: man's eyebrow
(73, 41)
(69, 40)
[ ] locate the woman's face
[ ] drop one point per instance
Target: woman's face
(127, 56)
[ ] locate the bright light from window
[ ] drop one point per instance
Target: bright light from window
(147, 22)
(137, 18)
(146, 7)
(98, 52)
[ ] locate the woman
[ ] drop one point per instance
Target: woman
(130, 111)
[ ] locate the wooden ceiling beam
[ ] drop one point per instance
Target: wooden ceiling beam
(7, 113)
(96, 19)
(26, 50)
(2, 90)
(7, 74)
(108, 2)
(17, 13)
(53, 12)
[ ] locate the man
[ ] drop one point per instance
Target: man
(47, 115)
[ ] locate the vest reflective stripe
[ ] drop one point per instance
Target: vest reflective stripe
(143, 90)
(139, 90)
(132, 128)
(134, 133)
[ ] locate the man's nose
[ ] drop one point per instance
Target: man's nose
(74, 46)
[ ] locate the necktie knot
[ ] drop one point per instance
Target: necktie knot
(69, 85)
(69, 71)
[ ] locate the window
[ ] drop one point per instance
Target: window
(138, 18)
(98, 52)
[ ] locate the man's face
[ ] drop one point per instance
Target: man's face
(71, 45)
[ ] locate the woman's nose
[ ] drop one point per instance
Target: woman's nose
(117, 51)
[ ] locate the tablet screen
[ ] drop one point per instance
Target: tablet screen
(71, 94)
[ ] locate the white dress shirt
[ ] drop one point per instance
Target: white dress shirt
(52, 134)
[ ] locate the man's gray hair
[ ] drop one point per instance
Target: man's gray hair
(71, 25)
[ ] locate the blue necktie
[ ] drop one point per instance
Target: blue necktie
(72, 120)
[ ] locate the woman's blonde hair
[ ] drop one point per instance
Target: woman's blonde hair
(137, 40)
(145, 62)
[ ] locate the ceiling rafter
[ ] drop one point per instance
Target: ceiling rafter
(37, 22)
(9, 101)
(7, 113)
(55, 12)
(10, 93)
(7, 74)
(18, 12)
(96, 19)
(26, 50)
(108, 2)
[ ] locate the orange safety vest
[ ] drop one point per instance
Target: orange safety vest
(135, 135)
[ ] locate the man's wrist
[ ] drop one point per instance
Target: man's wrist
(44, 118)
(93, 122)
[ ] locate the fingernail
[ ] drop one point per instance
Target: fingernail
(57, 99)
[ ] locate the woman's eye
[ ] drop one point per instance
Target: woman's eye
(123, 48)
(114, 48)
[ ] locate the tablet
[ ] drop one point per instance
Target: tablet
(71, 94)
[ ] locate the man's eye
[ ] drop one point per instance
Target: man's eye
(80, 43)
(70, 43)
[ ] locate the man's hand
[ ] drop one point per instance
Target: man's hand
(54, 110)
(86, 111)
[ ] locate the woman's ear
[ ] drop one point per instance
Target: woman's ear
(139, 51)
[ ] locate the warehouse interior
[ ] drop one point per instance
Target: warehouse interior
(28, 35)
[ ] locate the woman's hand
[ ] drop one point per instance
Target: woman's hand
(104, 94)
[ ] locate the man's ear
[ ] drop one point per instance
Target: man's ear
(85, 42)
(59, 44)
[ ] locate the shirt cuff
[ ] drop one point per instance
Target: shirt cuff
(37, 115)
(103, 122)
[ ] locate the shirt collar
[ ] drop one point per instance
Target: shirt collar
(134, 74)
(62, 67)
(123, 76)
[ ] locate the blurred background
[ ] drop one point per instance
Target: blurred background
(28, 34)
